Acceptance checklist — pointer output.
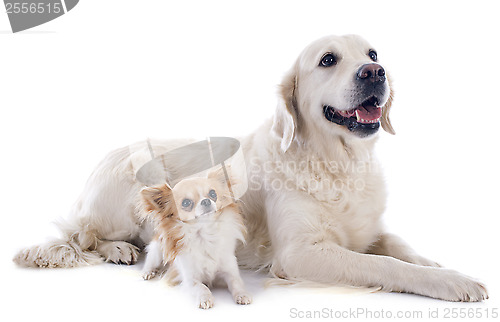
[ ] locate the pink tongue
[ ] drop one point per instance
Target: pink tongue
(369, 112)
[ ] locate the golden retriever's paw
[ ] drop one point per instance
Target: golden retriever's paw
(243, 299)
(206, 301)
(118, 252)
(456, 287)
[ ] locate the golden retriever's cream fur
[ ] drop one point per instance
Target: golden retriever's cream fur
(316, 193)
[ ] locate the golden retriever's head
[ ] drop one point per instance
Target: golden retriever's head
(336, 87)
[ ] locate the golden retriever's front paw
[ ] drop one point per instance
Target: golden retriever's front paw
(243, 299)
(456, 287)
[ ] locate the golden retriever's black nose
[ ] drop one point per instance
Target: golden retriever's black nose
(371, 73)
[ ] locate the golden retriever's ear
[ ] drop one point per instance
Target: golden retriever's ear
(285, 119)
(386, 122)
(158, 199)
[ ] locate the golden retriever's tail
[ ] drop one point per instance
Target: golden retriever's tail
(70, 251)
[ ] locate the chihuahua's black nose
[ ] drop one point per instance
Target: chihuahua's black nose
(206, 202)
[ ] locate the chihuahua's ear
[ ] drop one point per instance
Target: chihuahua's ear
(158, 199)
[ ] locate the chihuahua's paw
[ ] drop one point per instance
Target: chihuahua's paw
(206, 301)
(243, 299)
(150, 274)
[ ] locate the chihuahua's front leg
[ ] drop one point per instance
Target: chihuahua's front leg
(202, 293)
(231, 275)
(154, 260)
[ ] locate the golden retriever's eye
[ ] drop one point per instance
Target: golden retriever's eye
(328, 60)
(212, 195)
(373, 55)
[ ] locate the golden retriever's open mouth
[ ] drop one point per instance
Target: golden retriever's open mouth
(363, 119)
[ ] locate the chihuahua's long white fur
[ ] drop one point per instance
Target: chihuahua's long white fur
(199, 240)
(209, 255)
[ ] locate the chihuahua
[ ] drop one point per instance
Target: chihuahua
(197, 226)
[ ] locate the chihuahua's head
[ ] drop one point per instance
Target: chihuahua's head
(190, 199)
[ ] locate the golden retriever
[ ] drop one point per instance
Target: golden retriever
(315, 195)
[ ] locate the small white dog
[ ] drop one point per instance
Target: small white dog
(197, 226)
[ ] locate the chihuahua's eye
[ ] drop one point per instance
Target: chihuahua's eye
(212, 195)
(328, 60)
(187, 203)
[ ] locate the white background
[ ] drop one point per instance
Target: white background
(113, 72)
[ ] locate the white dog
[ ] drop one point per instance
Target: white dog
(316, 194)
(197, 226)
